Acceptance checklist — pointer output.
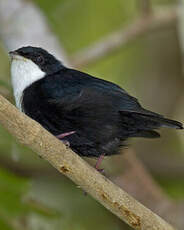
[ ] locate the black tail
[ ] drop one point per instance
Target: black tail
(144, 123)
(146, 134)
(164, 122)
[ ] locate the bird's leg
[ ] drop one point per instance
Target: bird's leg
(99, 161)
(62, 135)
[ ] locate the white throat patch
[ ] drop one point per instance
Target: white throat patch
(23, 73)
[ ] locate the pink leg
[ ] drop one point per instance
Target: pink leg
(62, 135)
(99, 161)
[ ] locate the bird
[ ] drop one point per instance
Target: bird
(94, 116)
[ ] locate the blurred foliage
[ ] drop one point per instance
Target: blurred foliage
(26, 205)
(79, 23)
(149, 68)
(49, 203)
(174, 187)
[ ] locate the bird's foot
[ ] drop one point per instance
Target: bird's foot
(66, 143)
(62, 135)
(99, 161)
(102, 171)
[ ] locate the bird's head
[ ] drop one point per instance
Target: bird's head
(30, 64)
(35, 57)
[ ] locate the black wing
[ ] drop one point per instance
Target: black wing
(74, 89)
(72, 86)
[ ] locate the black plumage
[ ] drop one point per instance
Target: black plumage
(101, 113)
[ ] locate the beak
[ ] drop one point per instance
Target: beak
(12, 54)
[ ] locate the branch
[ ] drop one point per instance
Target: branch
(152, 195)
(30, 133)
(117, 39)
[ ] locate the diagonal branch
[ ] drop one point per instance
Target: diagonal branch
(30, 133)
(117, 39)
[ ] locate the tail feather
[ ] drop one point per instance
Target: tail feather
(140, 124)
(155, 117)
(146, 134)
(164, 122)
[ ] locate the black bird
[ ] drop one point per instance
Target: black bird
(95, 116)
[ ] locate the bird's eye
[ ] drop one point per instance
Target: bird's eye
(40, 59)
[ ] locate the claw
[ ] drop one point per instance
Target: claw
(62, 135)
(66, 143)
